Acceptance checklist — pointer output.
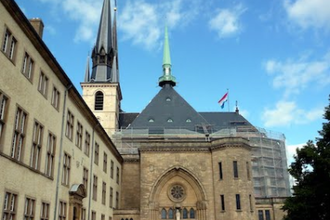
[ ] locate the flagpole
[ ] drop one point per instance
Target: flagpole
(228, 99)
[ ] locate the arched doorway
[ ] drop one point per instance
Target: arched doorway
(178, 194)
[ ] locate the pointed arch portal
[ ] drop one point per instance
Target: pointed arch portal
(178, 191)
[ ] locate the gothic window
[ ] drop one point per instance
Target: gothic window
(164, 213)
(185, 213)
(98, 101)
(192, 213)
(235, 169)
(222, 199)
(238, 202)
(170, 214)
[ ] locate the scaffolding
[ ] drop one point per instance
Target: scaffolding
(269, 163)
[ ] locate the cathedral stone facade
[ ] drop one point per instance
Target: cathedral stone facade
(167, 162)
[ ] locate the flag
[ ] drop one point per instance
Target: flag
(223, 100)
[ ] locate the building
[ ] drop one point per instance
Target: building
(57, 161)
(96, 161)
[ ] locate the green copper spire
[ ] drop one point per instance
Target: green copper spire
(167, 78)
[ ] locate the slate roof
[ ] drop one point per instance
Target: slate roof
(169, 105)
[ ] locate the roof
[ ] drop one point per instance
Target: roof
(166, 110)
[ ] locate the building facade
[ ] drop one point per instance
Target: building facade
(84, 158)
(57, 161)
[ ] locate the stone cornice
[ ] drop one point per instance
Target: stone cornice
(174, 149)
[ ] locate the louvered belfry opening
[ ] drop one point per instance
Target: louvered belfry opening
(98, 101)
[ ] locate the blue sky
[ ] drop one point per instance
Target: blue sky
(273, 56)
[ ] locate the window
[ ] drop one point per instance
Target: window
(85, 178)
(93, 215)
(170, 214)
(260, 215)
(3, 113)
(96, 156)
(168, 99)
(87, 143)
(19, 134)
(104, 188)
(222, 202)
(267, 215)
(105, 162)
(111, 169)
(117, 200)
(188, 120)
(98, 101)
(238, 202)
(235, 169)
(250, 201)
(185, 213)
(66, 169)
(95, 188)
(102, 217)
(164, 214)
(248, 171)
(44, 211)
(9, 45)
(50, 157)
(9, 206)
(151, 120)
(69, 125)
(220, 171)
(55, 98)
(83, 214)
(170, 120)
(43, 84)
(29, 209)
(36, 145)
(27, 67)
(117, 179)
(79, 135)
(192, 213)
(62, 211)
(111, 198)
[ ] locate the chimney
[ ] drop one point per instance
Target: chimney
(38, 26)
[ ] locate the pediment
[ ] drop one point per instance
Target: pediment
(78, 189)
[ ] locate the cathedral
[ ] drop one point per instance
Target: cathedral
(59, 150)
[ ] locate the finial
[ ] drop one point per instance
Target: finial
(237, 110)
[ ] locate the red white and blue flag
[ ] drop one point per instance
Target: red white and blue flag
(223, 100)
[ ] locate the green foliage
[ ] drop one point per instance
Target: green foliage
(311, 169)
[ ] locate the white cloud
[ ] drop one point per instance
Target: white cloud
(309, 13)
(295, 76)
(287, 113)
(142, 22)
(291, 151)
(226, 22)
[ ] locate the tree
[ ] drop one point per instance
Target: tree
(311, 169)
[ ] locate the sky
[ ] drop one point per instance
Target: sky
(273, 56)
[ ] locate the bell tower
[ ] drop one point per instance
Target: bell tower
(101, 88)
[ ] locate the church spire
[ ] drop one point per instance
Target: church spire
(115, 68)
(87, 73)
(167, 77)
(102, 55)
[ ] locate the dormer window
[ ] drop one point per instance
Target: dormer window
(188, 120)
(168, 99)
(170, 120)
(151, 120)
(102, 59)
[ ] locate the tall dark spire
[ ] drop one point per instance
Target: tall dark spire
(103, 52)
(115, 67)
